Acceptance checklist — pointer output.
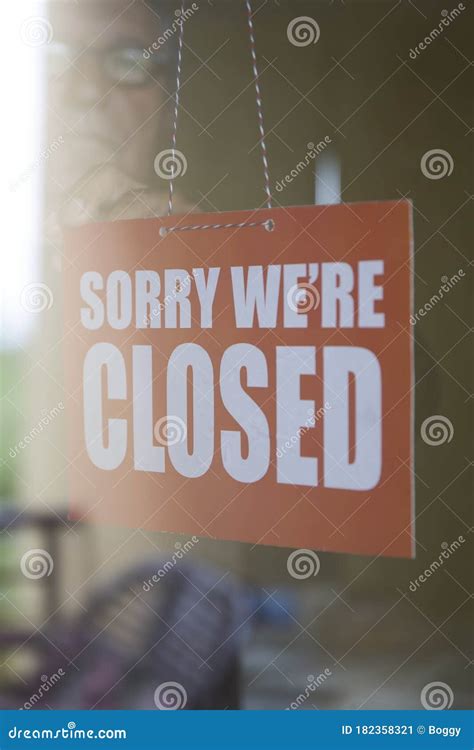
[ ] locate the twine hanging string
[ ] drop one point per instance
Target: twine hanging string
(176, 109)
(268, 224)
(258, 97)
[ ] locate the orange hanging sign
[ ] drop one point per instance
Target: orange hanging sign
(250, 382)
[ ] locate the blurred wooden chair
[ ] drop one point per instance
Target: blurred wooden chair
(139, 644)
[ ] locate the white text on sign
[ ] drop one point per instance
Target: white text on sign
(263, 297)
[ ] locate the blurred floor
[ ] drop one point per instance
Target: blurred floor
(382, 655)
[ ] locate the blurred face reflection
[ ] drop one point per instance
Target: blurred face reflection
(108, 101)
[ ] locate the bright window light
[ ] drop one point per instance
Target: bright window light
(26, 31)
